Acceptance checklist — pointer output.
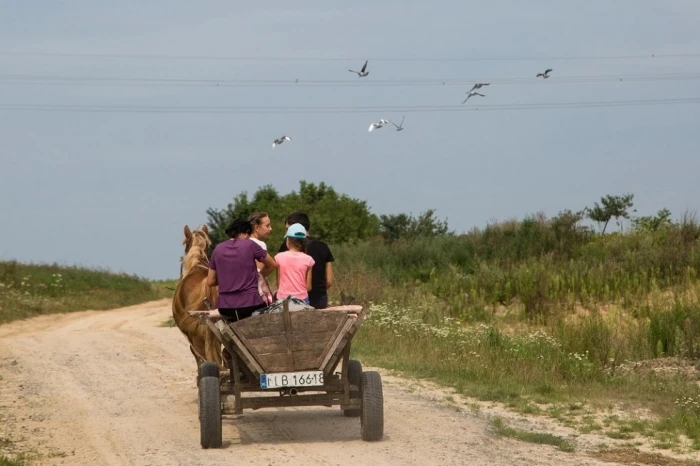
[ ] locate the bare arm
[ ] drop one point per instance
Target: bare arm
(212, 279)
(329, 275)
(308, 279)
(269, 265)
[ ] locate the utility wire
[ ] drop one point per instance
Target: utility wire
(328, 59)
(337, 110)
(34, 79)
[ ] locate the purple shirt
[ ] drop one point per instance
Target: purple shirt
(234, 262)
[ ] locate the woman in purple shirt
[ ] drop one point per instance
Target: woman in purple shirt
(232, 267)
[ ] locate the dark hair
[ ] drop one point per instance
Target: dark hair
(299, 243)
(298, 217)
(239, 226)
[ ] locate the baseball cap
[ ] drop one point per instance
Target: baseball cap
(296, 230)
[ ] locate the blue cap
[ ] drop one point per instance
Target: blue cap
(296, 230)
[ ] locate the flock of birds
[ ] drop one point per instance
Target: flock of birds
(381, 123)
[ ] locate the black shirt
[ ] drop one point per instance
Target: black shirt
(321, 254)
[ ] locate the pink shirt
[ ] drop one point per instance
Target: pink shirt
(293, 266)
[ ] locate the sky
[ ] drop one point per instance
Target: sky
(112, 188)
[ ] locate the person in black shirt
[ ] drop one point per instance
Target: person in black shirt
(322, 270)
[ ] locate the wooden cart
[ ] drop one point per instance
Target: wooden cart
(294, 355)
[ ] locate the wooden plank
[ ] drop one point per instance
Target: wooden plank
(311, 341)
(336, 343)
(332, 339)
(349, 308)
(265, 325)
(345, 343)
(215, 330)
(224, 330)
(246, 356)
(212, 314)
(316, 321)
(244, 341)
(289, 330)
(306, 360)
(303, 361)
(278, 343)
(262, 325)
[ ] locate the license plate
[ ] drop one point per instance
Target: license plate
(292, 379)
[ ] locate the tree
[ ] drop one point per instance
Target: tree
(612, 206)
(402, 226)
(335, 218)
(661, 220)
(394, 227)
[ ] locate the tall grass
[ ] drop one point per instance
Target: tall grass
(537, 262)
(540, 309)
(28, 290)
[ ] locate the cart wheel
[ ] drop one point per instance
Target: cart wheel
(372, 416)
(354, 375)
(208, 369)
(210, 412)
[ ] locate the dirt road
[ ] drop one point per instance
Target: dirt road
(116, 388)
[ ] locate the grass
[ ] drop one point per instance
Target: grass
(5, 461)
(632, 456)
(28, 290)
(533, 437)
(542, 316)
(167, 323)
(526, 368)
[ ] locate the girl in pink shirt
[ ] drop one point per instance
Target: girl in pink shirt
(294, 266)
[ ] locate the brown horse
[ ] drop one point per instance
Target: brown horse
(192, 293)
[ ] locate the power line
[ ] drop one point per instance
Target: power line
(31, 79)
(329, 59)
(338, 110)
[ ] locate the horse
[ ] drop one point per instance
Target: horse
(193, 294)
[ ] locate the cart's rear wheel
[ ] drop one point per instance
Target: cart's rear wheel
(208, 369)
(372, 411)
(354, 375)
(210, 412)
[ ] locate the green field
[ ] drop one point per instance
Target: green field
(542, 315)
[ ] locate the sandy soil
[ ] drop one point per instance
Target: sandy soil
(116, 388)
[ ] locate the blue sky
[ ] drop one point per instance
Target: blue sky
(114, 189)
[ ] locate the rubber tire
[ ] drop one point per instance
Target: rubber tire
(210, 412)
(208, 369)
(354, 376)
(372, 417)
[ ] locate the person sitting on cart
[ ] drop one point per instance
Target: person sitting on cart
(233, 268)
(322, 270)
(294, 266)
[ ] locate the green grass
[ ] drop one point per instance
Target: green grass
(529, 365)
(539, 311)
(167, 323)
(533, 437)
(5, 461)
(544, 264)
(541, 314)
(28, 290)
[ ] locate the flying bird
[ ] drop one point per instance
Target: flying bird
(471, 94)
(400, 126)
(544, 75)
(279, 141)
(363, 72)
(478, 86)
(377, 125)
